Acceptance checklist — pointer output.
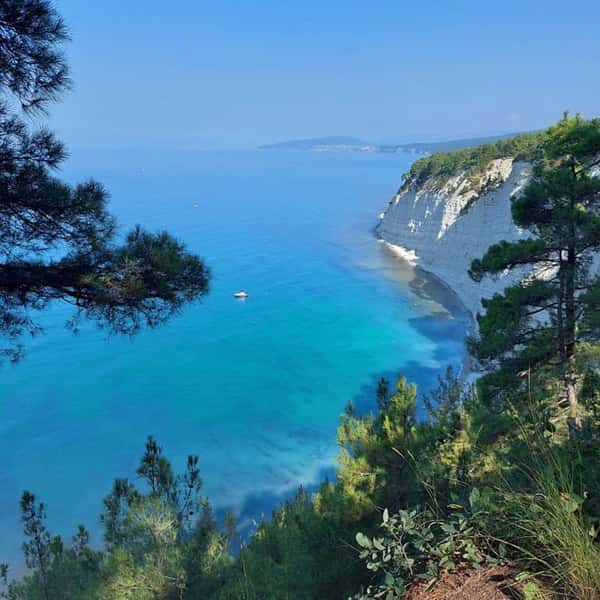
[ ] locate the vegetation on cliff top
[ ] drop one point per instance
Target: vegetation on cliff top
(440, 167)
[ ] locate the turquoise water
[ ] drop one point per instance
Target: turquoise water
(254, 387)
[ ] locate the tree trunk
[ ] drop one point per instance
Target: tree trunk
(570, 371)
(560, 317)
(574, 418)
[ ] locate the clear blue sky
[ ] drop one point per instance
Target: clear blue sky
(192, 73)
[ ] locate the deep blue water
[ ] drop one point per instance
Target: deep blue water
(254, 387)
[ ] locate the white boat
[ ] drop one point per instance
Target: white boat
(241, 294)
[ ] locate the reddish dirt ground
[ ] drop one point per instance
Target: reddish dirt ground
(489, 584)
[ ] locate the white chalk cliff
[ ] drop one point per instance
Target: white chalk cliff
(443, 228)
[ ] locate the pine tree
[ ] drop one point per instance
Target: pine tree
(539, 321)
(37, 548)
(57, 241)
(162, 538)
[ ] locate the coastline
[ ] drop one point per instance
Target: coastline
(468, 369)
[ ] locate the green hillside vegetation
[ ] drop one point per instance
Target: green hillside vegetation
(503, 473)
(452, 145)
(438, 168)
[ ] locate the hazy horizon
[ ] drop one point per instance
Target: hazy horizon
(238, 75)
(139, 144)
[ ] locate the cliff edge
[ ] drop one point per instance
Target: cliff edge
(442, 222)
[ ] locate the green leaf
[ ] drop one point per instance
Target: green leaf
(448, 528)
(363, 540)
(502, 550)
(448, 565)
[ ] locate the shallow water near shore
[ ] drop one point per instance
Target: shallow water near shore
(254, 387)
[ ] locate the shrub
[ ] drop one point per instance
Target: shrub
(416, 545)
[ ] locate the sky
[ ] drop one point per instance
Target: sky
(225, 74)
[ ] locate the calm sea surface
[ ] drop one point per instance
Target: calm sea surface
(254, 387)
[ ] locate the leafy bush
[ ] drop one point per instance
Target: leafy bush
(416, 545)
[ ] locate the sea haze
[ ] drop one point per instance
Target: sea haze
(254, 387)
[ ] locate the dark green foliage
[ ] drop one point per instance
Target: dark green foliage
(58, 242)
(37, 548)
(444, 404)
(32, 66)
(415, 545)
(548, 512)
(164, 535)
(457, 485)
(299, 554)
(181, 493)
(306, 550)
(383, 390)
(374, 459)
(590, 391)
(56, 571)
(539, 322)
(161, 542)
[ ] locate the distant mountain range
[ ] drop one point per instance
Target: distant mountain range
(351, 144)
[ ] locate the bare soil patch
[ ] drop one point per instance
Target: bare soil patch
(488, 584)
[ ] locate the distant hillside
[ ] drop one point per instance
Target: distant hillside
(315, 143)
(432, 147)
(351, 144)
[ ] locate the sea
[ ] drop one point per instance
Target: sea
(254, 387)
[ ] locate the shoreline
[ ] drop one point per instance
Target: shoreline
(467, 371)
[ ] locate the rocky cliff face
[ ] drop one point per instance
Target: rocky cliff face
(443, 227)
